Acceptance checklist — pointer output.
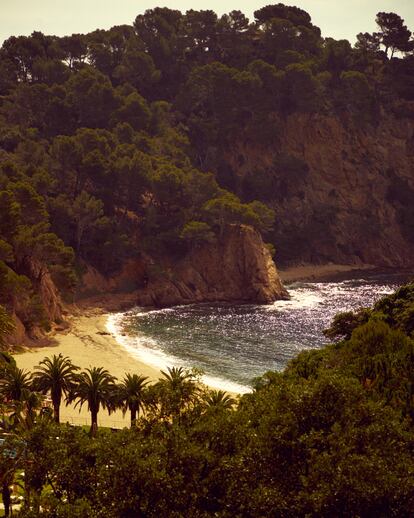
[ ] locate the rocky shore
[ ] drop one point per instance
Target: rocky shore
(237, 268)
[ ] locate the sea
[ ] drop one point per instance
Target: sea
(234, 344)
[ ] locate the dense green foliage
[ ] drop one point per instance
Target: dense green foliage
(113, 143)
(332, 435)
(6, 326)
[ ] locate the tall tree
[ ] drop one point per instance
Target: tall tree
(96, 387)
(177, 389)
(55, 375)
(130, 395)
(394, 35)
(14, 383)
(86, 212)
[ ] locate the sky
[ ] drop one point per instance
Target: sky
(337, 18)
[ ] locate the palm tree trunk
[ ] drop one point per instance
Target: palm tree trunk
(6, 498)
(133, 417)
(94, 425)
(56, 413)
(36, 503)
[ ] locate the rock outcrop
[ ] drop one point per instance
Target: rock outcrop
(131, 277)
(19, 335)
(44, 286)
(29, 330)
(237, 268)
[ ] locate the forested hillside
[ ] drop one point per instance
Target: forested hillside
(151, 138)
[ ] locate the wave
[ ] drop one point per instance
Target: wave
(141, 347)
(299, 298)
(139, 312)
(145, 349)
(223, 384)
(311, 295)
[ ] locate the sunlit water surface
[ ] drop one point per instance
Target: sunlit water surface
(233, 344)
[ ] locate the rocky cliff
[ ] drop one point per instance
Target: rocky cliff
(342, 191)
(46, 289)
(238, 267)
(49, 311)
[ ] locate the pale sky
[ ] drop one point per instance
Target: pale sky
(336, 18)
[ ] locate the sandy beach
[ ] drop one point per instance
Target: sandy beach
(89, 344)
(311, 272)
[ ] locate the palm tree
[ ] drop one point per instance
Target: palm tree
(131, 395)
(21, 403)
(177, 389)
(96, 387)
(219, 400)
(14, 383)
(55, 375)
(24, 414)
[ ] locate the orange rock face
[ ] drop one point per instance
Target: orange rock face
(238, 267)
(350, 206)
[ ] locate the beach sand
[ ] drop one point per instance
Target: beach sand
(311, 272)
(89, 344)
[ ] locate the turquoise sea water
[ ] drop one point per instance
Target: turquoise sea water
(233, 344)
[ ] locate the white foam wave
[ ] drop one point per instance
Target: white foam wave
(222, 384)
(299, 299)
(145, 350)
(140, 347)
(139, 312)
(150, 312)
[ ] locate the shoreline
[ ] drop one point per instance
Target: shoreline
(312, 272)
(89, 340)
(88, 343)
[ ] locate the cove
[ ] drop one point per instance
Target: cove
(233, 344)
